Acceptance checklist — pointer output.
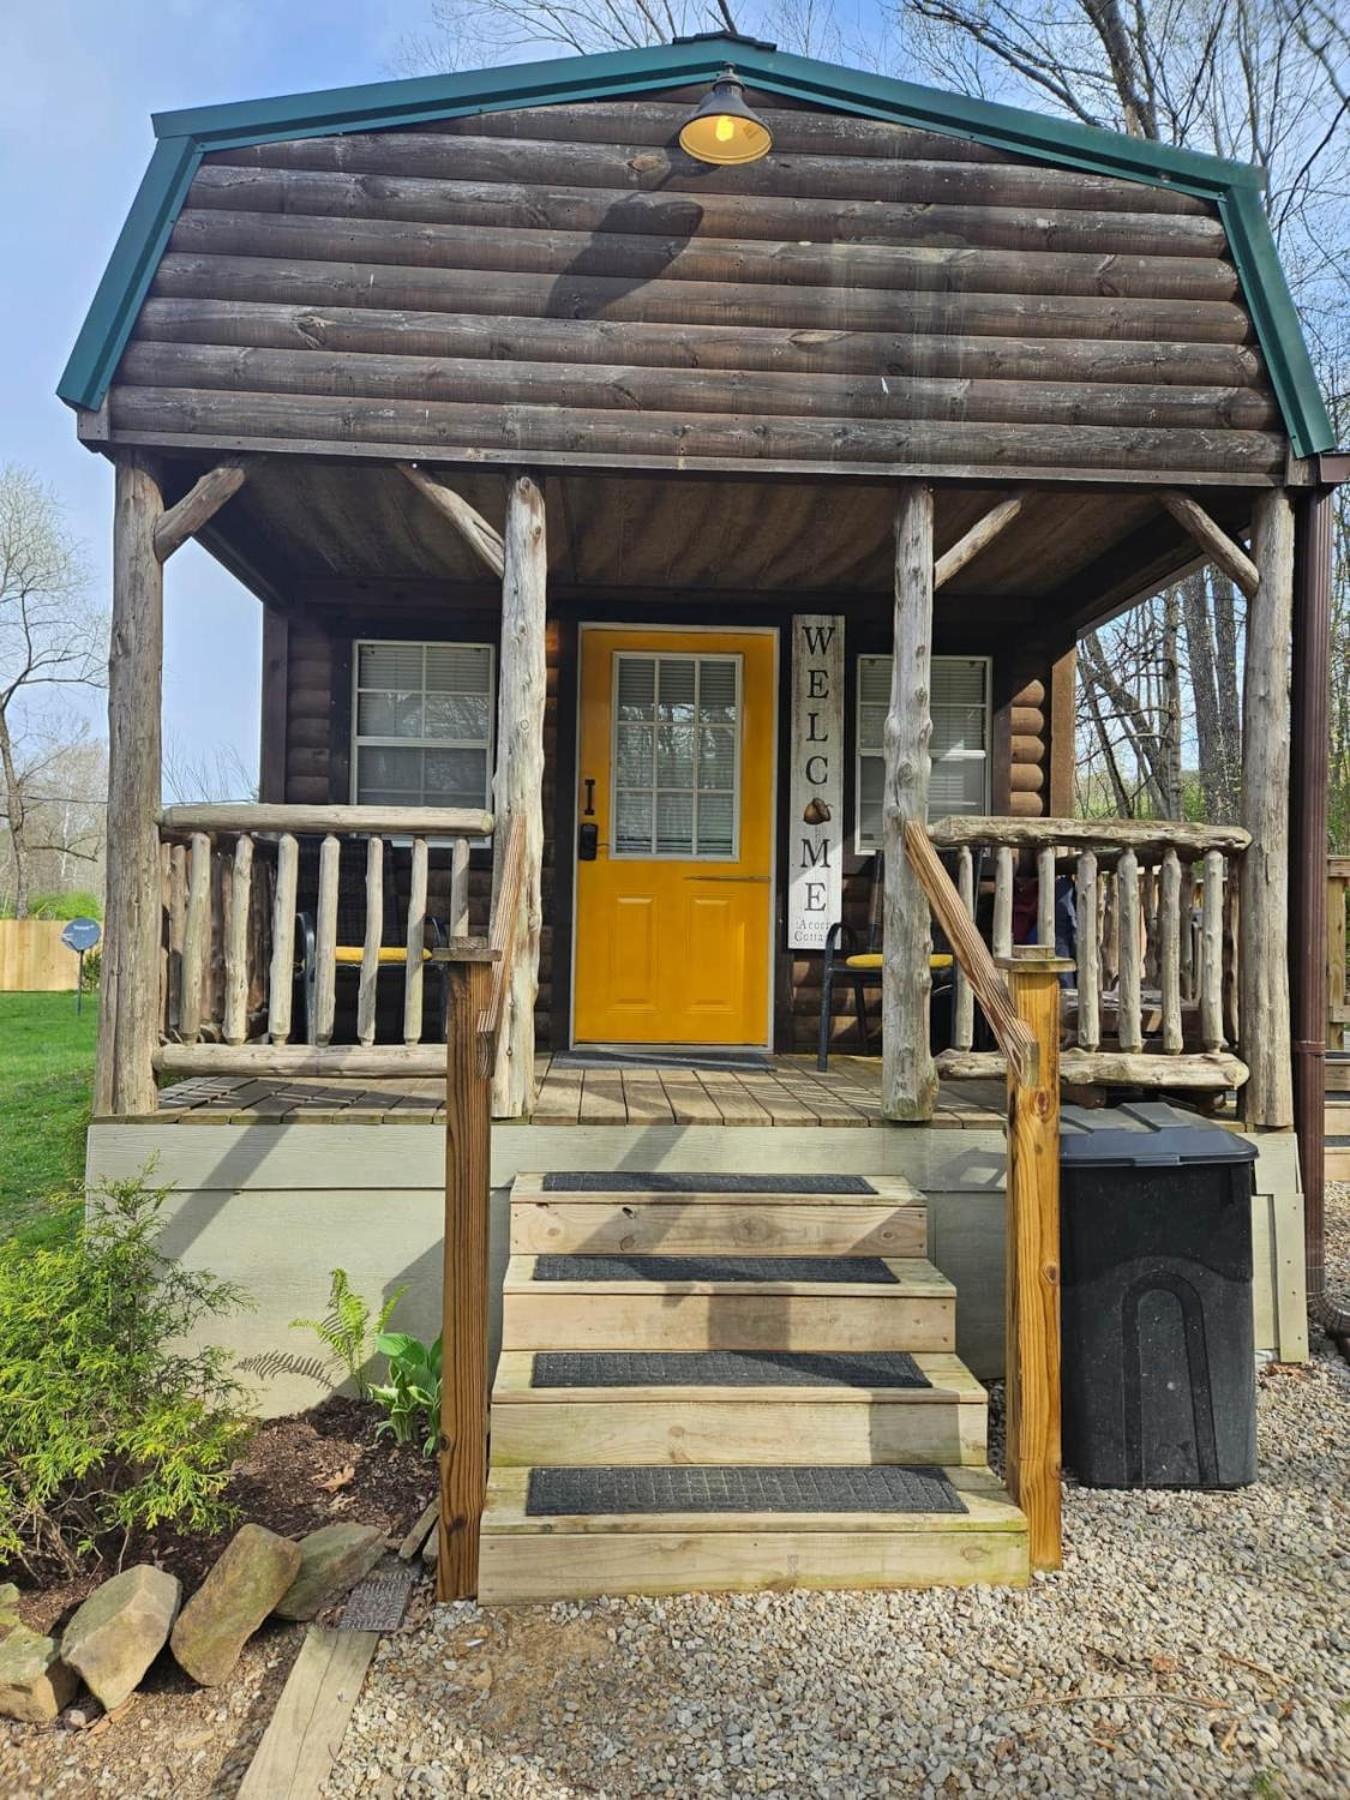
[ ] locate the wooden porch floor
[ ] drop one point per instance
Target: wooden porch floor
(790, 1092)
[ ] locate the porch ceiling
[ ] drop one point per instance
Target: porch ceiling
(308, 533)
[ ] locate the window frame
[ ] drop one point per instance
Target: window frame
(358, 742)
(863, 846)
(655, 855)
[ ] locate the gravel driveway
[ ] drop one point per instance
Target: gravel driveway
(1192, 1644)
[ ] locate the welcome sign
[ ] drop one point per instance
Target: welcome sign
(816, 819)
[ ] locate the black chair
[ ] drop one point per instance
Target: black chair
(351, 933)
(860, 966)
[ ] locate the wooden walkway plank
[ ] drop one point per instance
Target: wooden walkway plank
(646, 1098)
(690, 1101)
(602, 1101)
(302, 1742)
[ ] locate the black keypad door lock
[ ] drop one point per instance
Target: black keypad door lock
(588, 842)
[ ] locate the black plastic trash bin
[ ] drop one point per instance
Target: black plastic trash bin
(1159, 1359)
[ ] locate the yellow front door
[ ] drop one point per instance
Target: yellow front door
(675, 850)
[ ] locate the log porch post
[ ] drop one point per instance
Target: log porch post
(518, 783)
(908, 1079)
(128, 1025)
(1263, 980)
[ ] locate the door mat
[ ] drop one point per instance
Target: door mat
(755, 1062)
(379, 1602)
(600, 1181)
(688, 1489)
(726, 1368)
(869, 1269)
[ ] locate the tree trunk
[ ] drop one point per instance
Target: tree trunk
(1205, 693)
(16, 819)
(1225, 602)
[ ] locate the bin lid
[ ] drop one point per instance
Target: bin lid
(1149, 1132)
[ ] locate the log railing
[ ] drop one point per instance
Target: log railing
(1023, 1013)
(231, 949)
(1338, 892)
(1155, 951)
(480, 978)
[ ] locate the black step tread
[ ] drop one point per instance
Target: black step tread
(568, 1182)
(685, 1488)
(871, 1270)
(726, 1369)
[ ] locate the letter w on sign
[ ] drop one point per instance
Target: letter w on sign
(816, 798)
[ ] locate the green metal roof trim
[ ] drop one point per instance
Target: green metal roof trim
(186, 136)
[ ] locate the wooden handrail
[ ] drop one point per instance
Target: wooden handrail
(1017, 1043)
(1023, 1012)
(1121, 834)
(503, 939)
(387, 821)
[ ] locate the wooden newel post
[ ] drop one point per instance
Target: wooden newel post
(1032, 1272)
(464, 1328)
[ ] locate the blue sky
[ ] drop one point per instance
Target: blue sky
(81, 80)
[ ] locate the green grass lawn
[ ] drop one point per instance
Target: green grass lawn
(46, 1077)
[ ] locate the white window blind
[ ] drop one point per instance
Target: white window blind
(959, 781)
(676, 755)
(422, 726)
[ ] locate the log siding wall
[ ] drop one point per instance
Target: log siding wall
(318, 725)
(562, 282)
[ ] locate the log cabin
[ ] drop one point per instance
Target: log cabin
(693, 513)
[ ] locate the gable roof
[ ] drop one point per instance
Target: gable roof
(184, 137)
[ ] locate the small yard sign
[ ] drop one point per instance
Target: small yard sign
(81, 935)
(816, 818)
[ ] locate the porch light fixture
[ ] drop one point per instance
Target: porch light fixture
(723, 129)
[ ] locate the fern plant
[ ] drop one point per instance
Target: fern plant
(346, 1331)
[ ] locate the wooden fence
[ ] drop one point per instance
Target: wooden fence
(1155, 940)
(34, 960)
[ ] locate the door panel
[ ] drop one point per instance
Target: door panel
(673, 912)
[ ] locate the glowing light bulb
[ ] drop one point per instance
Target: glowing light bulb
(725, 129)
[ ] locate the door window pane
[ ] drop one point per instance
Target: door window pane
(675, 781)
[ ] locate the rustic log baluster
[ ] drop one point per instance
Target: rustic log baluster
(1169, 951)
(1188, 933)
(1211, 954)
(1089, 953)
(325, 934)
(370, 949)
(963, 1023)
(459, 889)
(1003, 902)
(1129, 1021)
(1045, 896)
(178, 902)
(282, 975)
(417, 943)
(195, 936)
(235, 1011)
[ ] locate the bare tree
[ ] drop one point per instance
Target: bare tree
(202, 777)
(51, 636)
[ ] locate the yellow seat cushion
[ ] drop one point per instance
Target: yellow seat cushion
(872, 959)
(352, 953)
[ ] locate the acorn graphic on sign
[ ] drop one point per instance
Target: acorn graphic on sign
(816, 812)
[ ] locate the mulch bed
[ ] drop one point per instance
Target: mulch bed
(295, 1474)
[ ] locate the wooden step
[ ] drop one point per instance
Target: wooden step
(891, 1221)
(819, 1423)
(1338, 1072)
(914, 1312)
(527, 1558)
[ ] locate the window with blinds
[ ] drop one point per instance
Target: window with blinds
(959, 781)
(422, 724)
(676, 755)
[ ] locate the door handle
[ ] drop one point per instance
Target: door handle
(588, 842)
